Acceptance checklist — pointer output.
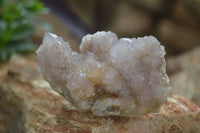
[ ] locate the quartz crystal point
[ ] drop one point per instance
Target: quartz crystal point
(110, 76)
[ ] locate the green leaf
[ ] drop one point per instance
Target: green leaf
(10, 12)
(1, 3)
(21, 32)
(36, 6)
(2, 28)
(24, 47)
(2, 25)
(4, 55)
(21, 47)
(17, 20)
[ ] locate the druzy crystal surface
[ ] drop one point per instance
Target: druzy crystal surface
(110, 76)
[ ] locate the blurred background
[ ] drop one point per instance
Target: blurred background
(176, 23)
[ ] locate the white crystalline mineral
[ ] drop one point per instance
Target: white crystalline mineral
(110, 76)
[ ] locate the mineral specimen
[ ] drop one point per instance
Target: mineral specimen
(124, 77)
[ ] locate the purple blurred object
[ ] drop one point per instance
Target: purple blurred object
(61, 9)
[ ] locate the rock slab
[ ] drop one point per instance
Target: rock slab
(29, 105)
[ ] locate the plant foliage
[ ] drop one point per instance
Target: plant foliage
(17, 20)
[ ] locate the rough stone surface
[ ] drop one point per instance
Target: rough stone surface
(184, 73)
(28, 104)
(123, 77)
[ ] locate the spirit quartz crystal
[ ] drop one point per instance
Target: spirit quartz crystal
(110, 76)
